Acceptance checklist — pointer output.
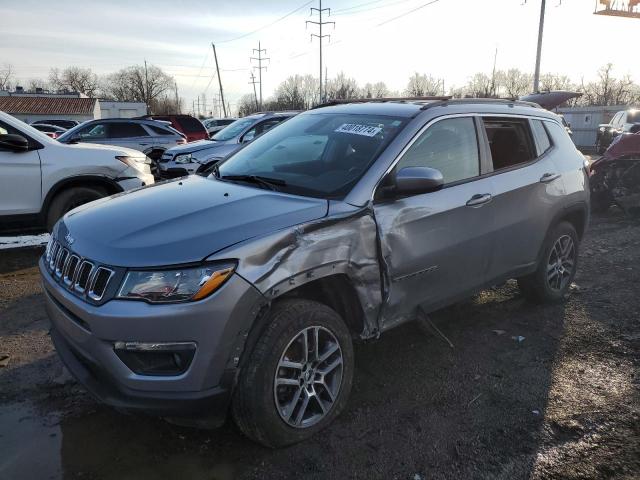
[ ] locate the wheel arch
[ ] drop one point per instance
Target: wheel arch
(111, 186)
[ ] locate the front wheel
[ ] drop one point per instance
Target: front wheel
(298, 377)
(557, 267)
(69, 199)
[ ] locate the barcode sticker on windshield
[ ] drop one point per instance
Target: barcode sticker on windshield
(356, 129)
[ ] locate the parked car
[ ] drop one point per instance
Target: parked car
(214, 125)
(626, 121)
(197, 157)
(615, 177)
(66, 124)
(245, 289)
(41, 179)
(191, 127)
(52, 131)
(147, 136)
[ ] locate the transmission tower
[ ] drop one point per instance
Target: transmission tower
(260, 59)
(319, 35)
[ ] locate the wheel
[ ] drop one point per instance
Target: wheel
(69, 199)
(298, 377)
(555, 272)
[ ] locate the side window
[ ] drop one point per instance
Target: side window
(450, 146)
(159, 131)
(126, 130)
(93, 132)
(510, 141)
(261, 128)
(541, 136)
(191, 125)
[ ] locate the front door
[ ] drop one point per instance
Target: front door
(435, 246)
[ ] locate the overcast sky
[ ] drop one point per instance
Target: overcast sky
(450, 38)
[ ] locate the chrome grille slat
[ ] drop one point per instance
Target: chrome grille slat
(79, 275)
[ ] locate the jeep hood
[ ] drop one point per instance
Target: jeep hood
(180, 221)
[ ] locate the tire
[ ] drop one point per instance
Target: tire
(546, 285)
(269, 413)
(69, 199)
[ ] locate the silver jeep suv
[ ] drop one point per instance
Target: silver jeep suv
(244, 290)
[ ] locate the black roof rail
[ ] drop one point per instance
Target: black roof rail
(503, 101)
(416, 100)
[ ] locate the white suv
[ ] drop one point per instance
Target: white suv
(41, 179)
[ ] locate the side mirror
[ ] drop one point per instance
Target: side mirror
(14, 143)
(416, 180)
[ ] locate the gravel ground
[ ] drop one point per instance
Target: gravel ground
(561, 402)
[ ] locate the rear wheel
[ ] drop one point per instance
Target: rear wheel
(298, 377)
(69, 199)
(551, 281)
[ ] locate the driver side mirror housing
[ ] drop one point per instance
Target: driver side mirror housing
(14, 143)
(416, 180)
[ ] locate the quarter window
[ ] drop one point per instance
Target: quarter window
(450, 146)
(541, 136)
(126, 130)
(94, 132)
(510, 141)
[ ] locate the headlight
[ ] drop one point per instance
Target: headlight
(138, 163)
(176, 285)
(602, 129)
(183, 158)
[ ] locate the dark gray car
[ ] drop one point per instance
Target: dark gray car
(195, 157)
(245, 289)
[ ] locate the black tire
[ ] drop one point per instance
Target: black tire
(538, 286)
(69, 199)
(254, 402)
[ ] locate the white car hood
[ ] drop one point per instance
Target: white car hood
(92, 147)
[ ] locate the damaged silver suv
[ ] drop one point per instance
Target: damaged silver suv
(244, 290)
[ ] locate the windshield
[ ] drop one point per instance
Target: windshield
(234, 129)
(319, 155)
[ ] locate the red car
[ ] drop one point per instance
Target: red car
(190, 126)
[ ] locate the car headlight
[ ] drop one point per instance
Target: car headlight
(602, 129)
(183, 158)
(139, 163)
(175, 285)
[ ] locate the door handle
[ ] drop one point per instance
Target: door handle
(479, 199)
(145, 144)
(549, 177)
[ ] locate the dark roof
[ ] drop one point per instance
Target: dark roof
(48, 105)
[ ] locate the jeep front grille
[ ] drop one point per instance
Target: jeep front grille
(79, 275)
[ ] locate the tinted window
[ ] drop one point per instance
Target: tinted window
(260, 128)
(541, 136)
(95, 131)
(510, 141)
(126, 130)
(321, 154)
(234, 129)
(190, 124)
(160, 130)
(450, 146)
(633, 116)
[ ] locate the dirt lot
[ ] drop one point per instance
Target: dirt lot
(563, 402)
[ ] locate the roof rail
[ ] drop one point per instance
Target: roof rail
(503, 101)
(331, 103)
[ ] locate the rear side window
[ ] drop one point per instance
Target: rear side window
(633, 116)
(126, 130)
(510, 141)
(450, 146)
(541, 136)
(191, 125)
(160, 131)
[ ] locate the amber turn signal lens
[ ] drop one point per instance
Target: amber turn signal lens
(212, 284)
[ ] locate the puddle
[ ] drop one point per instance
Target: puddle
(107, 445)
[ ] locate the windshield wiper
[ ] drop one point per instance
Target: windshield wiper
(270, 183)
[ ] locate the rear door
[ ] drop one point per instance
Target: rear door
(528, 191)
(435, 246)
(20, 178)
(129, 134)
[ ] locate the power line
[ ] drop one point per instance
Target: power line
(407, 13)
(357, 6)
(344, 11)
(244, 35)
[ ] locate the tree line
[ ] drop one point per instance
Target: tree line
(139, 83)
(300, 92)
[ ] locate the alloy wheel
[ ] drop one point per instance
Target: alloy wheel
(308, 377)
(561, 263)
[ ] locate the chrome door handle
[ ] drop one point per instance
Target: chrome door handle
(549, 177)
(479, 199)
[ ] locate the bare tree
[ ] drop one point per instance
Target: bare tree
(375, 90)
(554, 81)
(138, 84)
(342, 88)
(247, 105)
(37, 83)
(74, 79)
(514, 83)
(6, 76)
(290, 94)
(422, 85)
(481, 85)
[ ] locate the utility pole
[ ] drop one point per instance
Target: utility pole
(219, 79)
(146, 84)
(260, 58)
(175, 88)
(198, 107)
(536, 75)
(255, 95)
(320, 36)
(493, 75)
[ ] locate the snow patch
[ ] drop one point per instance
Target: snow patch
(23, 241)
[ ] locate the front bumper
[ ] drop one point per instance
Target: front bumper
(172, 169)
(84, 336)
